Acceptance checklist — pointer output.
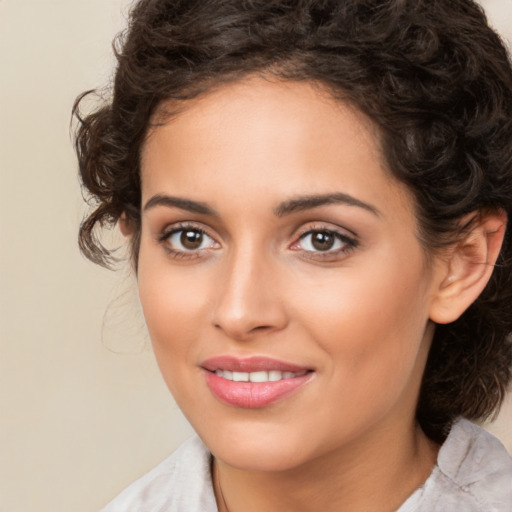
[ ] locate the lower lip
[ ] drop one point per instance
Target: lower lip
(253, 395)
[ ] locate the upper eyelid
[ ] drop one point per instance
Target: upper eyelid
(181, 226)
(325, 226)
(212, 228)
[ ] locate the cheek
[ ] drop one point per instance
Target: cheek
(174, 303)
(171, 315)
(370, 321)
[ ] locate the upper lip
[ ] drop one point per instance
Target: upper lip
(250, 364)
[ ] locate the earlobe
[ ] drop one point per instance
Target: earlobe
(466, 269)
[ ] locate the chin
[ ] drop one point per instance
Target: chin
(262, 448)
(260, 459)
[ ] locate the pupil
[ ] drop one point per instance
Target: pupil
(323, 241)
(191, 239)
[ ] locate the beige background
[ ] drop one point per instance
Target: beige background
(83, 410)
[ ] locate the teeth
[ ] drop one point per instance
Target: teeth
(258, 377)
(263, 376)
(274, 375)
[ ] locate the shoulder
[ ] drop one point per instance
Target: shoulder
(180, 482)
(473, 473)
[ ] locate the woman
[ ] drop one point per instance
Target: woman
(316, 194)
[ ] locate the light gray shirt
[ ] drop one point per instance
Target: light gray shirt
(473, 474)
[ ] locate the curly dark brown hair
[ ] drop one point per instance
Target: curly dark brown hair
(431, 74)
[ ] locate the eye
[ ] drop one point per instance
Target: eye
(189, 240)
(320, 242)
(183, 240)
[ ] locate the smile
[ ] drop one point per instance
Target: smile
(254, 382)
(260, 376)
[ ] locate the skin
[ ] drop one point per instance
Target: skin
(359, 315)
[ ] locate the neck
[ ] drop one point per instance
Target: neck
(374, 473)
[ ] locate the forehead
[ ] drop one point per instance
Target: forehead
(260, 105)
(268, 135)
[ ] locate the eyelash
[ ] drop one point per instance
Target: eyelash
(348, 243)
(180, 253)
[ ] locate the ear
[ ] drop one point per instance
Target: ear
(125, 226)
(466, 269)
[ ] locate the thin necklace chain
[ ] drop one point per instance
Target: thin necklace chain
(216, 480)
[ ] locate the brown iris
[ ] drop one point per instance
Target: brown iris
(191, 239)
(322, 240)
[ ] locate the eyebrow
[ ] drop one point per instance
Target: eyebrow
(285, 208)
(314, 201)
(177, 202)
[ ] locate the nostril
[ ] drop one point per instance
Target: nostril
(261, 328)
(241, 332)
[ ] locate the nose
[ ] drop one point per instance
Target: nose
(249, 300)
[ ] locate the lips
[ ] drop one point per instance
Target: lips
(253, 382)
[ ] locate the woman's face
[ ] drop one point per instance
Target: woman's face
(276, 248)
